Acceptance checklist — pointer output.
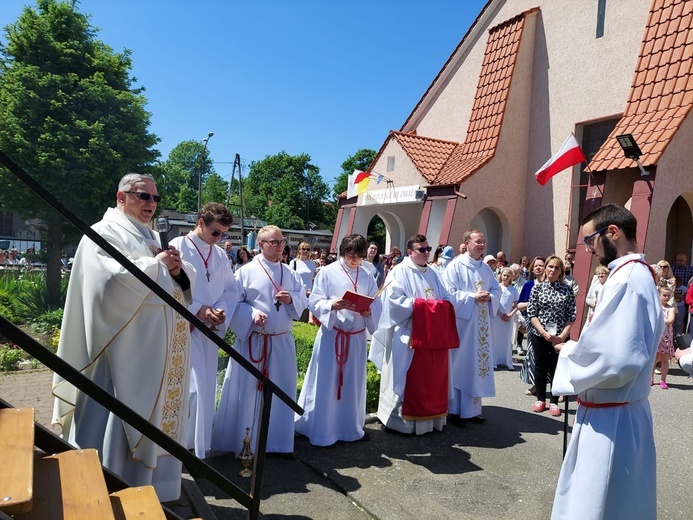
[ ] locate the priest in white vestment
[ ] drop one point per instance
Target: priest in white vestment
(609, 470)
(476, 296)
(272, 296)
(128, 341)
(334, 389)
(214, 301)
(390, 351)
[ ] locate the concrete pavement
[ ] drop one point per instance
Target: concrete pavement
(504, 469)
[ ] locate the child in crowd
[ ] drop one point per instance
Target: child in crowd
(666, 344)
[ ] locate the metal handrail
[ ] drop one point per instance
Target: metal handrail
(74, 377)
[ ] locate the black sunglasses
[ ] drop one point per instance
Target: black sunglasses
(216, 233)
(143, 195)
(423, 249)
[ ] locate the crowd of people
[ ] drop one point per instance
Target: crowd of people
(439, 330)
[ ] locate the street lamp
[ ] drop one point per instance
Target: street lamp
(631, 150)
(199, 176)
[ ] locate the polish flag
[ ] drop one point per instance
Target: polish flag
(569, 155)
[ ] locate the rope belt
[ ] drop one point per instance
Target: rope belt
(263, 354)
(341, 351)
(599, 405)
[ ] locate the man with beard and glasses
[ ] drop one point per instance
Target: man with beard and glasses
(609, 470)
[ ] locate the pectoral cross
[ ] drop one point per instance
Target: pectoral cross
(207, 275)
(277, 304)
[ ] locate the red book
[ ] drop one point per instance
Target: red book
(359, 302)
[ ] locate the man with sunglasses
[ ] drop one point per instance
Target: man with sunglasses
(272, 296)
(128, 341)
(609, 469)
(214, 300)
(411, 346)
(476, 296)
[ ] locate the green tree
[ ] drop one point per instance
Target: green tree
(361, 160)
(215, 189)
(180, 173)
(285, 190)
(71, 117)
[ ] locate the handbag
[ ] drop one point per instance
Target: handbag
(682, 341)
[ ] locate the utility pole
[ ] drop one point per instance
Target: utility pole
(237, 165)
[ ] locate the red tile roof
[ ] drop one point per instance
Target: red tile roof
(490, 101)
(446, 162)
(661, 94)
(427, 154)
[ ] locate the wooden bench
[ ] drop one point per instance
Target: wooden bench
(17, 448)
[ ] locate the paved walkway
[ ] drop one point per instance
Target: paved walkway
(504, 469)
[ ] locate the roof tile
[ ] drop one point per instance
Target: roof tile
(661, 93)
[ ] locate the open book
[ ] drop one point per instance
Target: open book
(359, 302)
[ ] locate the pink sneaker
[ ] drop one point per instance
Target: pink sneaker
(555, 410)
(651, 382)
(539, 406)
(663, 385)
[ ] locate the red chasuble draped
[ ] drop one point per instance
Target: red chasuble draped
(434, 332)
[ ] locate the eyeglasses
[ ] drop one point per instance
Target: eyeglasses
(423, 249)
(305, 249)
(143, 195)
(215, 234)
(589, 239)
(274, 243)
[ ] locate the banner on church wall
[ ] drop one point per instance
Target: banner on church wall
(392, 195)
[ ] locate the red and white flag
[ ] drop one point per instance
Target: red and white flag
(569, 155)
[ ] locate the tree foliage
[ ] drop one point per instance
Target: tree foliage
(285, 190)
(361, 160)
(70, 116)
(178, 178)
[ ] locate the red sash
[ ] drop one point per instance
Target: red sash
(434, 332)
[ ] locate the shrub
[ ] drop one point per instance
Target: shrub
(304, 337)
(372, 388)
(10, 357)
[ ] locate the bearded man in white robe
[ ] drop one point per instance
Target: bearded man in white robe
(334, 390)
(128, 341)
(412, 279)
(476, 295)
(272, 296)
(609, 471)
(214, 300)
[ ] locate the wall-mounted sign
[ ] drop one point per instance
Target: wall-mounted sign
(392, 195)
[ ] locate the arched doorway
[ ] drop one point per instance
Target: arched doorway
(377, 232)
(493, 223)
(679, 234)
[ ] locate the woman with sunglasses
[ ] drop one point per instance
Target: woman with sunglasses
(305, 268)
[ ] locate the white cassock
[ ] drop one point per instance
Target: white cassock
(390, 350)
(335, 412)
(219, 291)
(270, 348)
(132, 344)
(503, 330)
(609, 470)
(472, 363)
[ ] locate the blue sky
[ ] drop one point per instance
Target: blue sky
(325, 78)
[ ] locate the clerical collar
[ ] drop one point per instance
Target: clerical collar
(471, 261)
(143, 228)
(421, 268)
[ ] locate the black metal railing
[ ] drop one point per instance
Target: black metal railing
(251, 501)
